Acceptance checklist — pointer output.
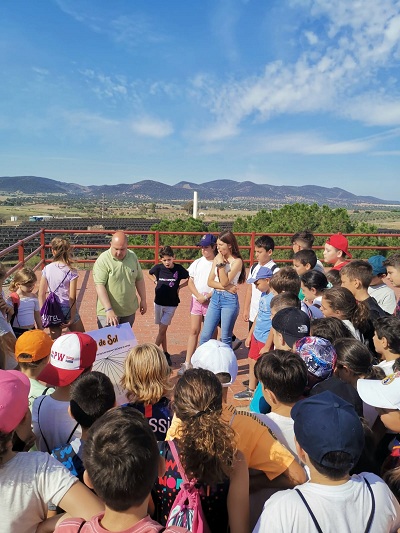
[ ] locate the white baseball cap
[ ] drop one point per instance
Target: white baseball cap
(217, 357)
(384, 393)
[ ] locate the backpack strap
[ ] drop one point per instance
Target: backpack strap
(175, 455)
(274, 267)
(81, 526)
(371, 516)
(40, 429)
(72, 432)
(64, 278)
(310, 511)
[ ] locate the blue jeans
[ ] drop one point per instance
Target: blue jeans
(224, 308)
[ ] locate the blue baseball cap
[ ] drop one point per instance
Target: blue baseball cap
(326, 423)
(376, 261)
(262, 273)
(207, 240)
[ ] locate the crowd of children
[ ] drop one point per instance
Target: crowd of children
(317, 450)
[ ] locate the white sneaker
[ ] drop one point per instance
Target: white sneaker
(184, 366)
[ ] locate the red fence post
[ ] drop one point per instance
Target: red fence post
(252, 247)
(156, 246)
(42, 249)
(21, 254)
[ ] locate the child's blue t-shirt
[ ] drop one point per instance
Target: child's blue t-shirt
(263, 320)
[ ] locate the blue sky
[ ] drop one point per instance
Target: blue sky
(273, 91)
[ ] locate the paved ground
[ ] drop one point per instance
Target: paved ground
(145, 329)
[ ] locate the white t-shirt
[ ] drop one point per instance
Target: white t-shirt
(387, 367)
(282, 427)
(26, 309)
(5, 327)
(55, 423)
(28, 482)
(355, 332)
(319, 267)
(199, 271)
(385, 296)
(338, 509)
(255, 293)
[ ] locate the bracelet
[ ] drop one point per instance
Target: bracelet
(220, 265)
(109, 309)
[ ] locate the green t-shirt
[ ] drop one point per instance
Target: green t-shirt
(37, 389)
(119, 279)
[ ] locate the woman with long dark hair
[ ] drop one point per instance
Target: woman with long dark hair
(226, 273)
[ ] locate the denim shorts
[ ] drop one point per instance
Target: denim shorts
(66, 310)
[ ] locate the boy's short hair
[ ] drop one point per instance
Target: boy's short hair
(330, 431)
(283, 373)
(358, 269)
(306, 257)
(330, 328)
(286, 280)
(389, 327)
(92, 395)
(393, 261)
(305, 238)
(333, 276)
(166, 250)
(266, 242)
(284, 300)
(121, 458)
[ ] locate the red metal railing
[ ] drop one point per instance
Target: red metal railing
(161, 239)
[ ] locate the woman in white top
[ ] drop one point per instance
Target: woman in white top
(226, 273)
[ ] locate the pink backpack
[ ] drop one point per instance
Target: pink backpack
(186, 511)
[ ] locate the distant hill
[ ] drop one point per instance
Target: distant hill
(218, 190)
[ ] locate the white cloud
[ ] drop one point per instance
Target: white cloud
(41, 71)
(152, 127)
(363, 39)
(129, 30)
(310, 143)
(374, 110)
(311, 37)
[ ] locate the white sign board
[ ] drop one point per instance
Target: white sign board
(113, 344)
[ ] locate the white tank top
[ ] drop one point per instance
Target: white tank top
(234, 281)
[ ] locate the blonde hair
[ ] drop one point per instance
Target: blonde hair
(22, 277)
(147, 374)
(61, 249)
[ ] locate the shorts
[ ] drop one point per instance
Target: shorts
(101, 320)
(255, 347)
(196, 308)
(163, 314)
(66, 310)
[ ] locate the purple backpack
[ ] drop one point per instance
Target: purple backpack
(186, 511)
(51, 311)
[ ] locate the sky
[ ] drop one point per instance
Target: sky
(283, 92)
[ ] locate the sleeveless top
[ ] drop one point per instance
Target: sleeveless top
(234, 281)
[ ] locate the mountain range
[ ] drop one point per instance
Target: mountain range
(225, 190)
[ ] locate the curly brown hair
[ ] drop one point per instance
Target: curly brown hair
(207, 446)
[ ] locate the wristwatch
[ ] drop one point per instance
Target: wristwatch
(220, 265)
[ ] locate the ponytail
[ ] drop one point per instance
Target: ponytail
(61, 249)
(206, 444)
(360, 318)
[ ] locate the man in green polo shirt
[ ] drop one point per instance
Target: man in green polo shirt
(117, 277)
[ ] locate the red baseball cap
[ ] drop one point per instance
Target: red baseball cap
(340, 242)
(71, 354)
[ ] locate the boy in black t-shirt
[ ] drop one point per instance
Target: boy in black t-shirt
(167, 276)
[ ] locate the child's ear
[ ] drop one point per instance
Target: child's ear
(87, 481)
(384, 342)
(270, 252)
(269, 395)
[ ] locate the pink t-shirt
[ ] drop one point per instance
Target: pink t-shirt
(146, 525)
(55, 274)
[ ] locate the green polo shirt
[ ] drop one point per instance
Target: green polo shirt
(119, 279)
